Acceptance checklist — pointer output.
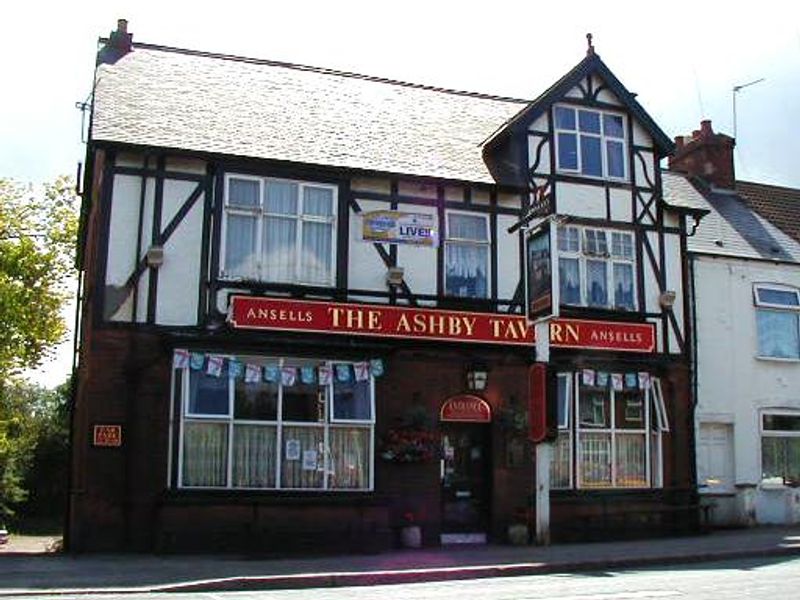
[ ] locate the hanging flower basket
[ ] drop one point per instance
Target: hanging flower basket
(406, 445)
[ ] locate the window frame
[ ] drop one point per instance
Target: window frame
(653, 436)
(487, 243)
(583, 256)
(602, 137)
(261, 215)
(774, 433)
(327, 424)
(762, 306)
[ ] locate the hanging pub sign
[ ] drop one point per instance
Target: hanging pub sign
(395, 227)
(466, 408)
(540, 289)
(107, 436)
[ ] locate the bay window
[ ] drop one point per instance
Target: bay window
(780, 448)
(590, 142)
(596, 268)
(777, 320)
(288, 424)
(467, 255)
(277, 230)
(610, 429)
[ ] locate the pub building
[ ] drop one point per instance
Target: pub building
(306, 323)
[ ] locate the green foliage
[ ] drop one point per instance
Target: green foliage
(38, 231)
(34, 439)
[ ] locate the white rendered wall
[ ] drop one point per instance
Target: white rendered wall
(179, 275)
(734, 385)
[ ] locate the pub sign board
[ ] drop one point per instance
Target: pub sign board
(284, 314)
(466, 408)
(541, 282)
(107, 436)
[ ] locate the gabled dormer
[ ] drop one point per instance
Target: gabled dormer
(589, 153)
(586, 125)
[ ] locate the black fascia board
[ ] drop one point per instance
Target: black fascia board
(589, 65)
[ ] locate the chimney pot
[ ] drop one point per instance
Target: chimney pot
(705, 128)
(695, 134)
(678, 142)
(122, 25)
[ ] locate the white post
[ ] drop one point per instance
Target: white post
(543, 451)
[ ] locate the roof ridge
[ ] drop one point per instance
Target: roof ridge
(323, 71)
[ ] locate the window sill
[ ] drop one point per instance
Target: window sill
(778, 359)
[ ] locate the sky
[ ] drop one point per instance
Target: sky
(683, 58)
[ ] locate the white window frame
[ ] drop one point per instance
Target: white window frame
(773, 433)
(566, 429)
(582, 255)
(449, 240)
(260, 214)
(604, 139)
(772, 307)
(326, 424)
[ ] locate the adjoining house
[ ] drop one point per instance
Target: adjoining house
(746, 288)
(304, 309)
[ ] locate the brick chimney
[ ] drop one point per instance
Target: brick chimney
(705, 154)
(118, 44)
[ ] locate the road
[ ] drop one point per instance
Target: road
(753, 579)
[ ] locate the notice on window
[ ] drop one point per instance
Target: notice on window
(309, 460)
(395, 227)
(292, 449)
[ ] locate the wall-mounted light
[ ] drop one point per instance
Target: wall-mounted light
(477, 377)
(394, 276)
(155, 256)
(667, 299)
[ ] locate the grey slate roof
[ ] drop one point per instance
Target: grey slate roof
(731, 228)
(194, 101)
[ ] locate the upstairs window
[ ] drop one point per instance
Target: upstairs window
(467, 255)
(590, 142)
(778, 321)
(280, 231)
(596, 268)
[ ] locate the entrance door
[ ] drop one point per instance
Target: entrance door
(465, 482)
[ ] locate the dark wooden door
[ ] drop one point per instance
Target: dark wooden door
(465, 478)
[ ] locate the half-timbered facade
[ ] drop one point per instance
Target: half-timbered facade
(304, 298)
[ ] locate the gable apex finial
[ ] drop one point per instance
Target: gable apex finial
(590, 48)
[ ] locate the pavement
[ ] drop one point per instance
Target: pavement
(40, 572)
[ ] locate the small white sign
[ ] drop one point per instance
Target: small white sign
(309, 460)
(292, 449)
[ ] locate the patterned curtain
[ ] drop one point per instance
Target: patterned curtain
(349, 454)
(303, 460)
(254, 456)
(205, 454)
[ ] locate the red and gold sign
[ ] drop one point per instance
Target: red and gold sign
(384, 321)
(109, 436)
(603, 335)
(466, 408)
(283, 314)
(537, 406)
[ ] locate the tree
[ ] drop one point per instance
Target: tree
(38, 232)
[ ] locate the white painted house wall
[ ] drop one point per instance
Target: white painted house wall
(734, 386)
